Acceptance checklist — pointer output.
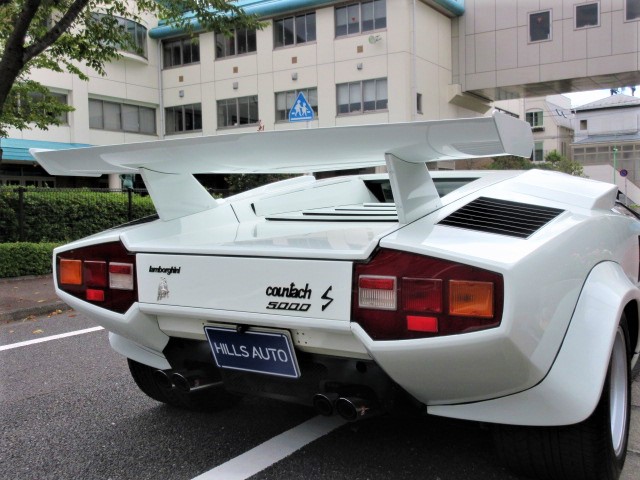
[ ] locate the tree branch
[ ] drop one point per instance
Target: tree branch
(58, 29)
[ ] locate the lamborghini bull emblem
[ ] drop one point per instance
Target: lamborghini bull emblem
(163, 289)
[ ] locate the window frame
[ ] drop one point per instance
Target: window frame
(237, 102)
(293, 94)
(182, 110)
(626, 10)
(295, 18)
(168, 45)
(121, 119)
(236, 43)
(538, 147)
(352, 88)
(529, 25)
(139, 34)
(586, 4)
(361, 29)
(63, 98)
(537, 118)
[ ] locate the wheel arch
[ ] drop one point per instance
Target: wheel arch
(570, 391)
(632, 313)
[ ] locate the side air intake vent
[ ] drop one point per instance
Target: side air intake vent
(501, 217)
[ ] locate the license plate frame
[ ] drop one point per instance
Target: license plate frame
(269, 352)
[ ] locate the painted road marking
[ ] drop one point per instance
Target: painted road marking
(274, 450)
(48, 339)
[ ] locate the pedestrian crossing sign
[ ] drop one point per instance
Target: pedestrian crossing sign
(301, 110)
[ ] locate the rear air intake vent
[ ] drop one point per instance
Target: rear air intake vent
(501, 217)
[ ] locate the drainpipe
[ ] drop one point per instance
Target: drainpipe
(160, 93)
(414, 79)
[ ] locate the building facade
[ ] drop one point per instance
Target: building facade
(356, 62)
(360, 62)
(607, 132)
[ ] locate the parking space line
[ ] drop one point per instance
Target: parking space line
(48, 339)
(274, 450)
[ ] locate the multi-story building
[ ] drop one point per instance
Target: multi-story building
(357, 62)
(361, 62)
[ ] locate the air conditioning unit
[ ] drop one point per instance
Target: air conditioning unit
(537, 129)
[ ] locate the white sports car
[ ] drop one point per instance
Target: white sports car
(502, 297)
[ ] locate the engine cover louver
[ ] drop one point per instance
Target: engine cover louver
(501, 217)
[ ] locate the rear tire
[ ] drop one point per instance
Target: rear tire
(594, 449)
(213, 398)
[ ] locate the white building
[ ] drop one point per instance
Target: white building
(607, 133)
(360, 62)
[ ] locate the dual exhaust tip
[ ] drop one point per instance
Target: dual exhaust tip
(350, 408)
(184, 381)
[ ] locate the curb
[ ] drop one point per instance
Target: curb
(24, 313)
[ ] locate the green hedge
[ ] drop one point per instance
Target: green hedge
(20, 259)
(51, 215)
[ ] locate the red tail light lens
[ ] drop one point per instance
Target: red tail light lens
(103, 275)
(399, 295)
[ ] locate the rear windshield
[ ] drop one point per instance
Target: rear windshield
(382, 188)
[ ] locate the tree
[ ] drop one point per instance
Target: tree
(553, 161)
(69, 35)
(563, 164)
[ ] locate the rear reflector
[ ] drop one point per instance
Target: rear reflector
(70, 272)
(422, 324)
(94, 295)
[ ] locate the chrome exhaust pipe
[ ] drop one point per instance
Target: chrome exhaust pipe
(192, 381)
(163, 378)
(354, 408)
(323, 403)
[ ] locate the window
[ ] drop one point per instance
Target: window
(235, 112)
(242, 41)
(360, 97)
(284, 102)
(419, 102)
(182, 51)
(583, 124)
(538, 152)
(121, 117)
(587, 15)
(183, 118)
(294, 30)
(540, 26)
(137, 32)
(534, 118)
(632, 9)
(35, 97)
(361, 17)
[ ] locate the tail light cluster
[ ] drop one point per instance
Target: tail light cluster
(104, 275)
(399, 295)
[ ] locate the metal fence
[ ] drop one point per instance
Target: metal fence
(29, 214)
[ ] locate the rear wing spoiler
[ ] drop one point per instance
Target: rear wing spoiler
(167, 165)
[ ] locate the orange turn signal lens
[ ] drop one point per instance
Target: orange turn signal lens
(70, 272)
(471, 299)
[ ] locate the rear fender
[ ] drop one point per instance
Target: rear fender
(571, 389)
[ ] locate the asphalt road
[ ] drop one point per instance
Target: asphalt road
(69, 410)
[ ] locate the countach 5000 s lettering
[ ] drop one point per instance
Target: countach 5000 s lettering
(289, 292)
(475, 295)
